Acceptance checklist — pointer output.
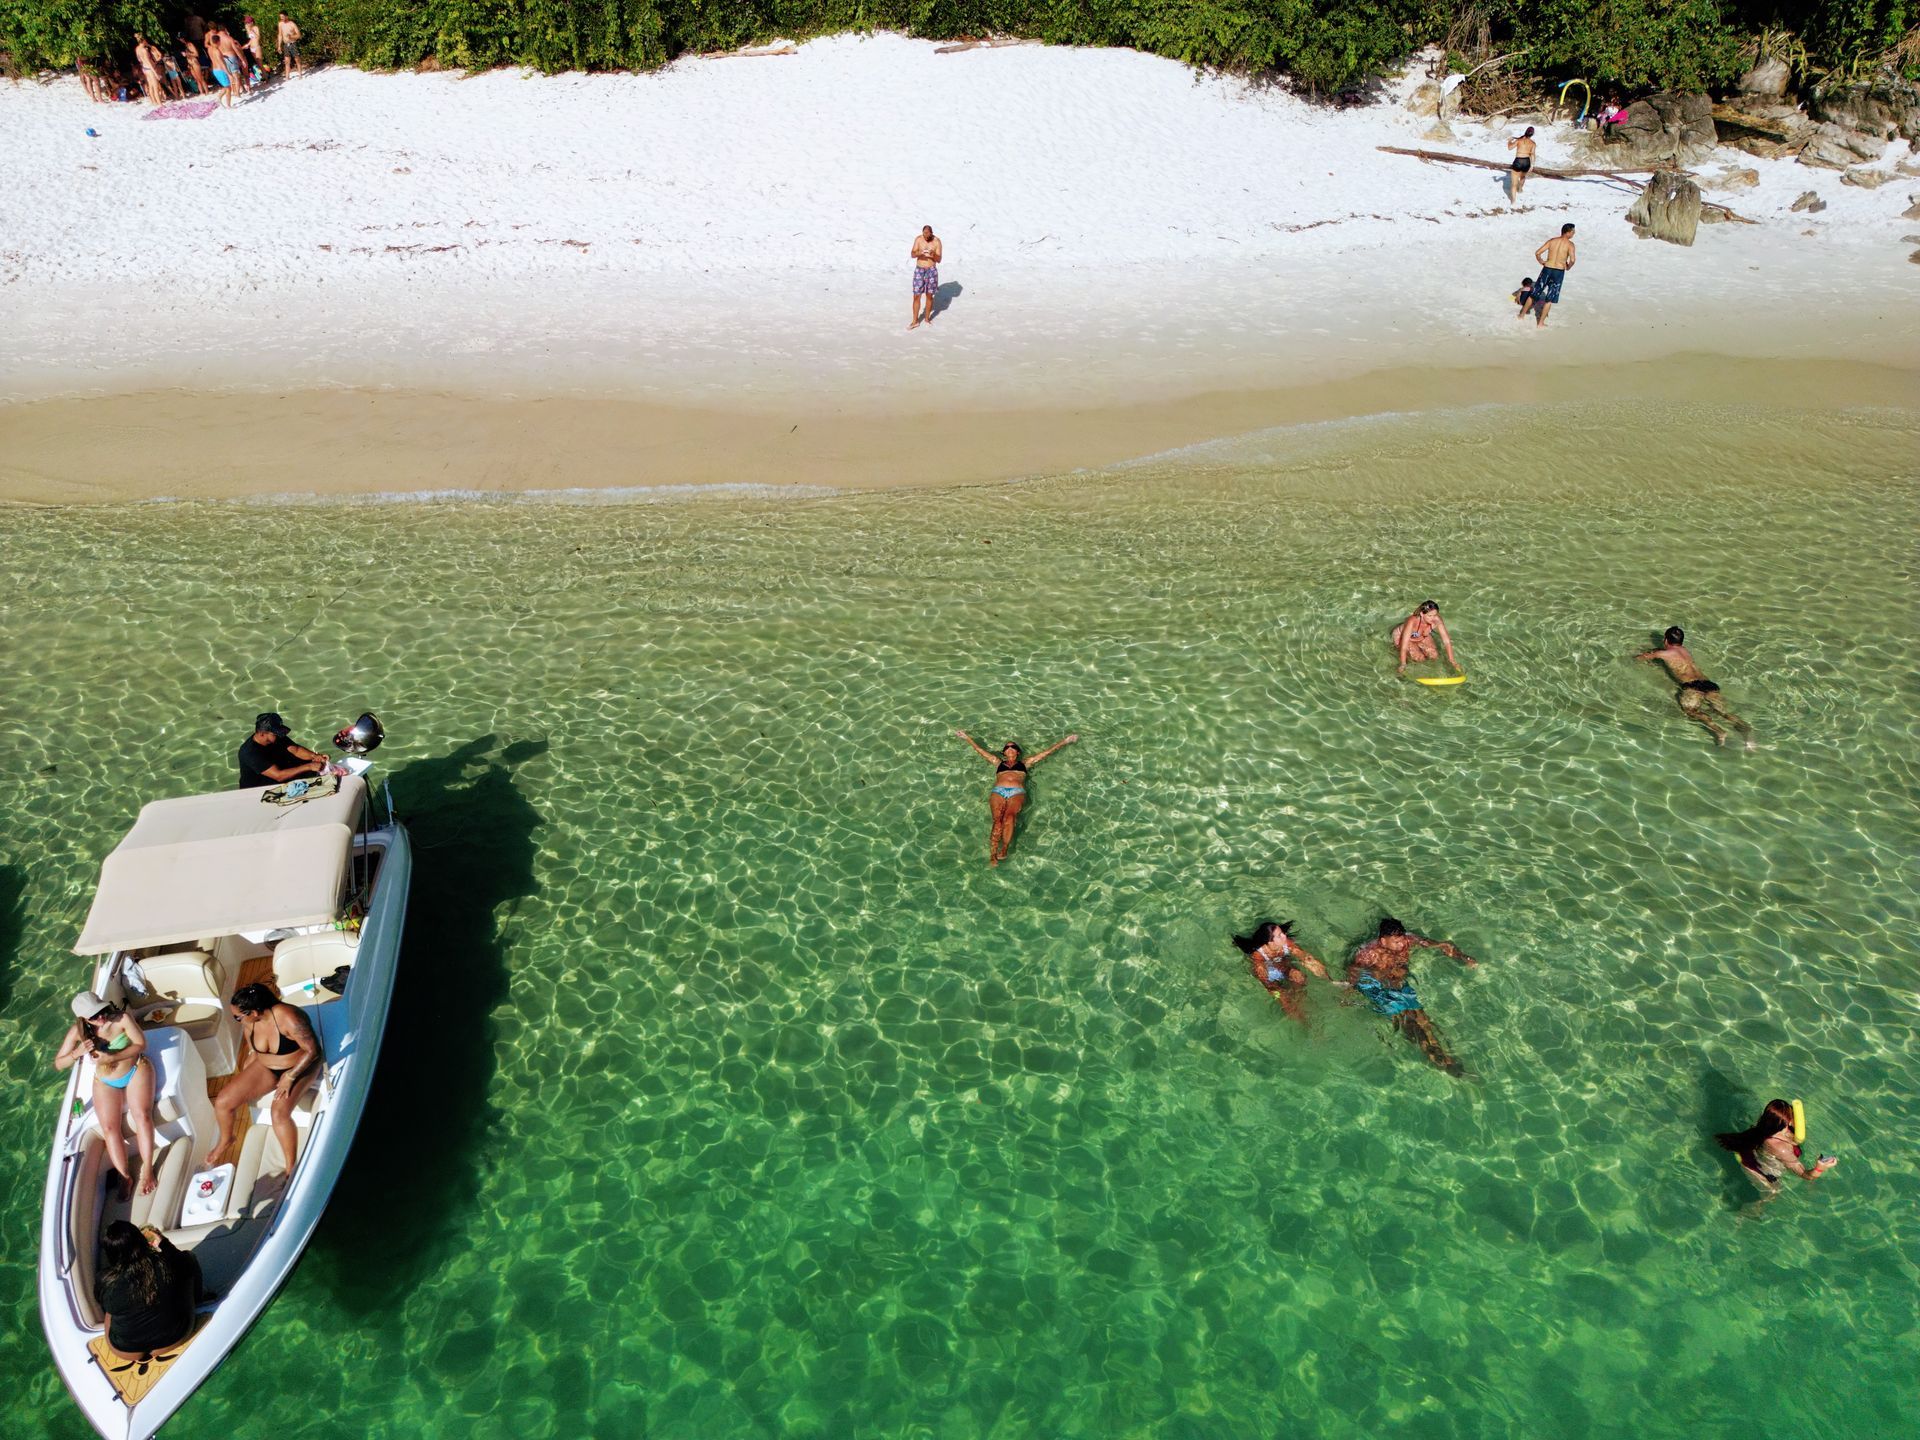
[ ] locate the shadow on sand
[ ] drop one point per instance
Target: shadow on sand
(415, 1169)
(945, 296)
(13, 924)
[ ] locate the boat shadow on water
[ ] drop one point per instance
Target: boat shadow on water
(414, 1172)
(13, 924)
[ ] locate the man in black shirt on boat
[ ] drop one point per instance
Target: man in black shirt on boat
(269, 757)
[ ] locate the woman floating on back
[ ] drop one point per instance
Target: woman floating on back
(1009, 794)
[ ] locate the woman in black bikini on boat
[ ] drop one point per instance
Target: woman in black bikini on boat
(1009, 792)
(281, 1054)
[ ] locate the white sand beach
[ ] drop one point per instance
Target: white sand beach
(730, 235)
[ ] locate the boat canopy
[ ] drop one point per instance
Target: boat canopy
(203, 866)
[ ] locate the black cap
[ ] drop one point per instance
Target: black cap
(270, 720)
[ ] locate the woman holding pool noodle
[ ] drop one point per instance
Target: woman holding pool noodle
(1769, 1148)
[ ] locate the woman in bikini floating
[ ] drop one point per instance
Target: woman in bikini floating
(1414, 636)
(280, 1054)
(122, 1079)
(1009, 792)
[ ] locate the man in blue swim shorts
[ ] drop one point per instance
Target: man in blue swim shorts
(1556, 258)
(926, 272)
(1378, 971)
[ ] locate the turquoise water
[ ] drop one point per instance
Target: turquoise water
(730, 1094)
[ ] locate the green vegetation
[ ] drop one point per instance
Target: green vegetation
(1323, 45)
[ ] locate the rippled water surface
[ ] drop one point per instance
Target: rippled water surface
(730, 1094)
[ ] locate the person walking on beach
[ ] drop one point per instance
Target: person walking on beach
(1523, 148)
(1009, 794)
(1697, 694)
(287, 37)
(1414, 636)
(1379, 971)
(1555, 259)
(926, 272)
(1279, 963)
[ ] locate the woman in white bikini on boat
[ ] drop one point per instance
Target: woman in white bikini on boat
(1009, 794)
(122, 1079)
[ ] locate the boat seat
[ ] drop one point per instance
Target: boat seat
(246, 1170)
(301, 962)
(184, 989)
(162, 1208)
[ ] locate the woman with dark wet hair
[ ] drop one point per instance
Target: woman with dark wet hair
(147, 1288)
(1278, 962)
(1009, 794)
(1767, 1149)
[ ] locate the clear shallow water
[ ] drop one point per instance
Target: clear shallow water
(734, 1096)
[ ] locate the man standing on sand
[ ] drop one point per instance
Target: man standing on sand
(1556, 258)
(287, 37)
(926, 272)
(1522, 147)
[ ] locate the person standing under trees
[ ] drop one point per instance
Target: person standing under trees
(256, 57)
(287, 37)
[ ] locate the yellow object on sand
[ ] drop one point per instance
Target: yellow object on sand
(1441, 679)
(1799, 1122)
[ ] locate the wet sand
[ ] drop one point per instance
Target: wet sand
(339, 443)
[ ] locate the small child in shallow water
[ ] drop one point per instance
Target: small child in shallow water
(1523, 297)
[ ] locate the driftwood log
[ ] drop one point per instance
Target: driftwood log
(1721, 212)
(1449, 159)
(994, 42)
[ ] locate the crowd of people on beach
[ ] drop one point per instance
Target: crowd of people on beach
(205, 59)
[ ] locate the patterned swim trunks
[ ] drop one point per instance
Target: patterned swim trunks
(1546, 290)
(927, 281)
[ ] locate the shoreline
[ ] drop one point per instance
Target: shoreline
(341, 444)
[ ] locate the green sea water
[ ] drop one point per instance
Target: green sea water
(730, 1094)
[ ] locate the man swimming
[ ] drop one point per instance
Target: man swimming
(1379, 971)
(1697, 694)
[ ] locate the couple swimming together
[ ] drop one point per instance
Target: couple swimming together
(1379, 971)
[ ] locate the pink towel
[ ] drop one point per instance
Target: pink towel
(183, 110)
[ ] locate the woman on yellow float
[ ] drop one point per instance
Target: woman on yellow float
(1414, 637)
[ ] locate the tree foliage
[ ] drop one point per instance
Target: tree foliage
(1324, 45)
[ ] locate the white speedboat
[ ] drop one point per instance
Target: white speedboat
(303, 892)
